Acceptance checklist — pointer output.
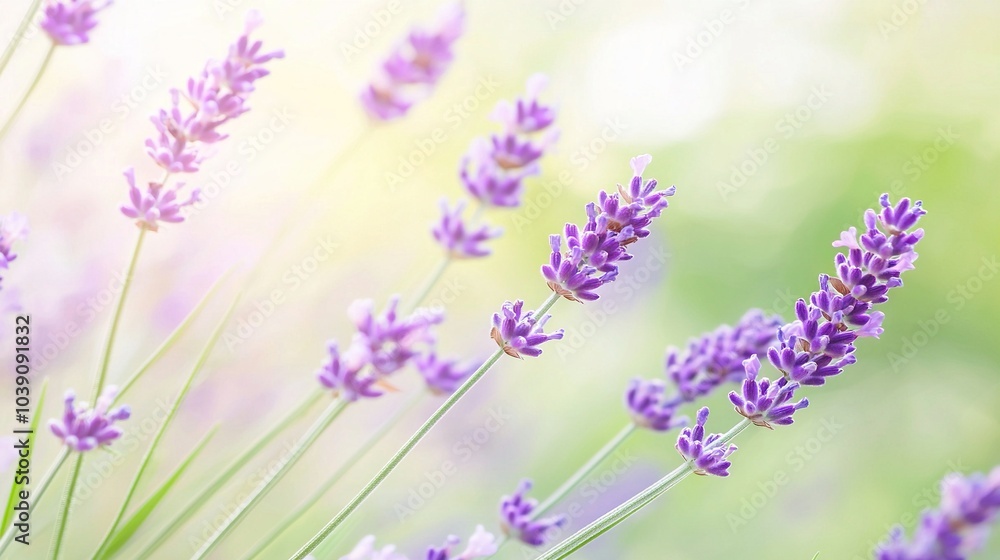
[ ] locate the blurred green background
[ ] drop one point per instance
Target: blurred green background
(780, 123)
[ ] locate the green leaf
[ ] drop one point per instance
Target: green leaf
(129, 528)
(15, 488)
(815, 556)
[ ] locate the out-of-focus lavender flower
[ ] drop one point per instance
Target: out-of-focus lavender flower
(344, 374)
(517, 519)
(157, 204)
(460, 240)
(958, 528)
(82, 428)
(494, 169)
(702, 450)
(819, 343)
(69, 22)
(442, 376)
(650, 406)
(520, 334)
(765, 403)
(391, 341)
(414, 66)
(614, 222)
(13, 227)
(365, 550)
(481, 545)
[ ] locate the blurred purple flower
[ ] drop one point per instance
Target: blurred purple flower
(462, 241)
(156, 204)
(650, 406)
(442, 376)
(365, 550)
(391, 341)
(517, 519)
(414, 66)
(614, 222)
(958, 528)
(481, 545)
(520, 334)
(765, 403)
(13, 227)
(704, 454)
(343, 373)
(69, 22)
(82, 428)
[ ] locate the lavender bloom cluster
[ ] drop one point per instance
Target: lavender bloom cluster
(481, 544)
(13, 228)
(701, 451)
(517, 517)
(614, 222)
(82, 428)
(709, 360)
(69, 22)
(414, 67)
(958, 528)
(494, 170)
(520, 333)
(211, 99)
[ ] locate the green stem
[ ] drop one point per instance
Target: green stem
(344, 468)
(37, 493)
(585, 470)
(430, 282)
(27, 94)
(318, 427)
(609, 520)
(109, 344)
(407, 447)
(67, 500)
(8, 52)
(202, 497)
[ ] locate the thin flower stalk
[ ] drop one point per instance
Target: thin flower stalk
(37, 492)
(27, 93)
(62, 517)
(15, 41)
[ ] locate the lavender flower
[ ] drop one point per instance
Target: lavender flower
(83, 429)
(614, 222)
(365, 550)
(69, 22)
(958, 528)
(494, 169)
(458, 239)
(650, 406)
(156, 204)
(414, 67)
(13, 227)
(517, 520)
(442, 376)
(520, 334)
(763, 402)
(343, 373)
(391, 341)
(703, 453)
(481, 545)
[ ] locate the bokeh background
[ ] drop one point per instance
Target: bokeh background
(859, 98)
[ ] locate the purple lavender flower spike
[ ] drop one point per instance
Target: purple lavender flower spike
(613, 222)
(391, 341)
(462, 241)
(414, 67)
(765, 403)
(958, 528)
(442, 376)
(520, 334)
(527, 115)
(365, 550)
(517, 521)
(344, 375)
(703, 453)
(82, 428)
(482, 544)
(69, 22)
(651, 408)
(157, 204)
(13, 227)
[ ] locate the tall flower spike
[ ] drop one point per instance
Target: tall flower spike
(414, 67)
(520, 334)
(462, 241)
(494, 169)
(391, 341)
(650, 406)
(613, 222)
(344, 375)
(765, 403)
(82, 428)
(517, 521)
(702, 451)
(157, 204)
(69, 22)
(958, 528)
(442, 376)
(13, 227)
(482, 544)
